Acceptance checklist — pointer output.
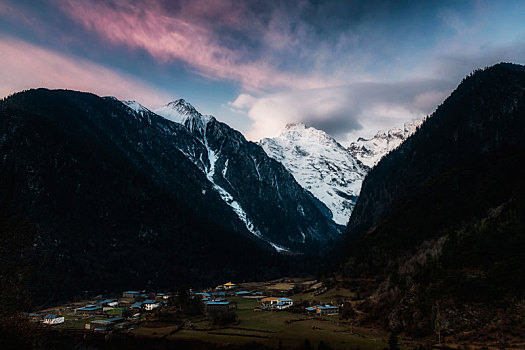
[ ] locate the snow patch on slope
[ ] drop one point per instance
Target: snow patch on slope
(135, 106)
(177, 111)
(184, 113)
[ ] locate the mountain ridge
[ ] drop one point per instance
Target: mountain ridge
(370, 151)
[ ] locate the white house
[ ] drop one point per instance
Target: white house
(277, 303)
(283, 303)
(53, 319)
(150, 304)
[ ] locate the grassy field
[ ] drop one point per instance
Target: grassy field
(72, 323)
(272, 327)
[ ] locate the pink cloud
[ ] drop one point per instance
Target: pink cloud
(186, 37)
(27, 66)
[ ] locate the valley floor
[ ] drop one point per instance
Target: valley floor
(271, 328)
(291, 328)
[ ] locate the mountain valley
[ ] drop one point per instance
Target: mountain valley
(104, 195)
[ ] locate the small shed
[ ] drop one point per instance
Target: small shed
(109, 302)
(310, 309)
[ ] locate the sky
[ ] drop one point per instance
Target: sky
(350, 68)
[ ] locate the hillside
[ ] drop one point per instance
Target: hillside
(111, 203)
(440, 220)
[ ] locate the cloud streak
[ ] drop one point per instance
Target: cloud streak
(27, 66)
(185, 35)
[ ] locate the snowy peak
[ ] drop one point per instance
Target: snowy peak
(291, 126)
(182, 112)
(319, 164)
(183, 107)
(370, 151)
(135, 106)
(304, 135)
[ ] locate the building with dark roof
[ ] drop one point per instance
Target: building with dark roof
(89, 310)
(137, 305)
(324, 310)
(220, 305)
(131, 294)
(105, 325)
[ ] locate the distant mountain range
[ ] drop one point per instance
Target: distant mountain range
(370, 151)
(332, 173)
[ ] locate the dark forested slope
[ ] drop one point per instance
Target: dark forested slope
(440, 220)
(111, 202)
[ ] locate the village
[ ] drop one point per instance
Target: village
(286, 311)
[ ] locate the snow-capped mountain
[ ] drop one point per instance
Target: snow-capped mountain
(135, 106)
(370, 151)
(263, 194)
(184, 113)
(321, 165)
